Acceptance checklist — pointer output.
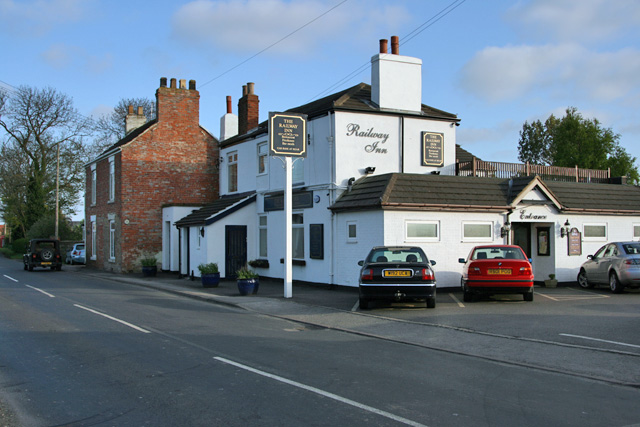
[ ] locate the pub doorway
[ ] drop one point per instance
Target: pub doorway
(522, 237)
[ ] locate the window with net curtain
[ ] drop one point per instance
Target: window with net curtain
(297, 235)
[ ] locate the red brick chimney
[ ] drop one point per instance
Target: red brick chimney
(178, 105)
(248, 117)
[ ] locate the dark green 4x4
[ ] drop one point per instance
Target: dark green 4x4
(43, 253)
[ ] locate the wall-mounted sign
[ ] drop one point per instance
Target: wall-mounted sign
(574, 242)
(432, 149)
(300, 200)
(528, 216)
(288, 134)
(375, 140)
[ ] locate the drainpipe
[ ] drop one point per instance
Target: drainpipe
(332, 180)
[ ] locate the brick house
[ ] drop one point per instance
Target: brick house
(170, 160)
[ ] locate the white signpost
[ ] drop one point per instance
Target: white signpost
(288, 138)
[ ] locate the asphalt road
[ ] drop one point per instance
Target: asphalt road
(78, 350)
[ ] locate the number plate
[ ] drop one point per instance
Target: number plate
(397, 273)
(45, 263)
(499, 271)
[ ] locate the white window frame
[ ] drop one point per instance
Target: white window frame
(232, 159)
(299, 227)
(112, 179)
(263, 228)
(421, 239)
(112, 240)
(636, 231)
(477, 239)
(263, 155)
(94, 186)
(595, 238)
(352, 239)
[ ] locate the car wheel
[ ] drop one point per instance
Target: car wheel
(59, 267)
(46, 254)
(431, 302)
(30, 267)
(582, 280)
(614, 283)
(528, 296)
(25, 266)
(364, 304)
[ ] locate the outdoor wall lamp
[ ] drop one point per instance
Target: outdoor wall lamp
(564, 230)
(505, 229)
(202, 231)
(369, 169)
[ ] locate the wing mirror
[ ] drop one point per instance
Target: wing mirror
(361, 263)
(432, 262)
(462, 260)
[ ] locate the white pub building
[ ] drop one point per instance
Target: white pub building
(383, 169)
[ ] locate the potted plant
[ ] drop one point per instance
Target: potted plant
(551, 282)
(209, 275)
(149, 265)
(248, 282)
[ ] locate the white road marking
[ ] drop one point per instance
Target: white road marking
(113, 318)
(10, 278)
(40, 290)
(355, 306)
(322, 393)
(574, 297)
(456, 300)
(598, 339)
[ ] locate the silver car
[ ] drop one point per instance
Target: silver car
(616, 264)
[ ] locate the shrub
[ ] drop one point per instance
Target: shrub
(246, 273)
(209, 268)
(19, 245)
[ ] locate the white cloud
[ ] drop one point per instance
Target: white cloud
(567, 70)
(57, 56)
(249, 26)
(61, 56)
(576, 21)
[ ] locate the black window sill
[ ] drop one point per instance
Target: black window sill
(299, 262)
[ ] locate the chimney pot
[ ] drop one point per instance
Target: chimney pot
(173, 83)
(130, 109)
(250, 88)
(192, 85)
(244, 90)
(183, 83)
(140, 110)
(163, 82)
(229, 109)
(383, 45)
(395, 45)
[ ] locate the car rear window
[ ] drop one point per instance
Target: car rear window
(42, 245)
(397, 255)
(80, 247)
(497, 253)
(631, 248)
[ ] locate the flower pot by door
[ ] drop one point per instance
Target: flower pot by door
(248, 286)
(149, 271)
(210, 280)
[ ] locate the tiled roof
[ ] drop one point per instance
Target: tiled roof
(217, 210)
(443, 192)
(355, 98)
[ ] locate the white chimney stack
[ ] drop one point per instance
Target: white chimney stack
(228, 123)
(396, 81)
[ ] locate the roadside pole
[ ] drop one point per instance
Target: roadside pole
(288, 210)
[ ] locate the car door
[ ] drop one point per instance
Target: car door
(591, 267)
(604, 262)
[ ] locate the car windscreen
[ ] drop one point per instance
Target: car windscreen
(396, 255)
(631, 248)
(497, 253)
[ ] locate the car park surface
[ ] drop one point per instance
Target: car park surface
(496, 269)
(396, 273)
(616, 264)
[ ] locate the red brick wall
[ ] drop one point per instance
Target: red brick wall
(174, 161)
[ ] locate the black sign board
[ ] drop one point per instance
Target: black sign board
(316, 241)
(288, 134)
(432, 149)
(300, 200)
(574, 242)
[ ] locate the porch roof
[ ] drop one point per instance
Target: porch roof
(214, 211)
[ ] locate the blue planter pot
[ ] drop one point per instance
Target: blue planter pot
(149, 271)
(248, 286)
(210, 280)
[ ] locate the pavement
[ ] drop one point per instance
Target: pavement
(335, 307)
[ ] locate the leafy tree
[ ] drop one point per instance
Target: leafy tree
(39, 124)
(44, 228)
(574, 140)
(110, 128)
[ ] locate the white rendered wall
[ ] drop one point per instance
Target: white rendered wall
(170, 246)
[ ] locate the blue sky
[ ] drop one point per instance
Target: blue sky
(496, 64)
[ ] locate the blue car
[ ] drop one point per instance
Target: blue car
(77, 254)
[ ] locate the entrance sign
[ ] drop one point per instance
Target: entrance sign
(288, 134)
(288, 138)
(432, 149)
(574, 242)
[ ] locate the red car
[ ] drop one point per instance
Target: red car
(497, 269)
